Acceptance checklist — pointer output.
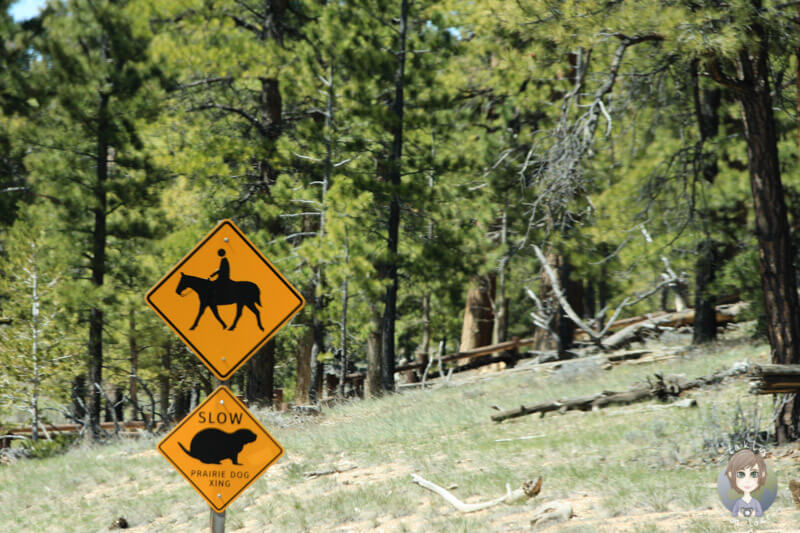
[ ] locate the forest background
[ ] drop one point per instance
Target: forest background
(409, 165)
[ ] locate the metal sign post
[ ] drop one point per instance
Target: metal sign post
(217, 522)
(218, 519)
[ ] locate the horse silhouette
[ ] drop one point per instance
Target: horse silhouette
(241, 293)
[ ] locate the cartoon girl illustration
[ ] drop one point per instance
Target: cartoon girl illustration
(746, 473)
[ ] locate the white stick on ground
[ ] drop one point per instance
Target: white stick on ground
(528, 489)
(520, 438)
(335, 470)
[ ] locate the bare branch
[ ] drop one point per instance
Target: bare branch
(263, 130)
(205, 81)
(562, 300)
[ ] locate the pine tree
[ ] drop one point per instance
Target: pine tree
(94, 89)
(38, 345)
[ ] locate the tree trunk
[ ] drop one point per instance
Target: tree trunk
(303, 381)
(681, 296)
(394, 170)
(343, 336)
(119, 402)
(424, 349)
(706, 104)
(560, 323)
(317, 367)
(589, 303)
(373, 386)
(35, 352)
(705, 316)
(775, 250)
(183, 401)
(133, 348)
(477, 327)
(499, 306)
(78, 395)
(98, 266)
(260, 376)
(239, 382)
(107, 416)
(603, 291)
(544, 339)
(565, 326)
(499, 309)
(163, 381)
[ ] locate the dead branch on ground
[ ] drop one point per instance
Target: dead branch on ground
(529, 489)
(334, 470)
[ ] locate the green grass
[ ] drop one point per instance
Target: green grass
(630, 461)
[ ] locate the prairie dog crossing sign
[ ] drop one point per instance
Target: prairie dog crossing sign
(220, 448)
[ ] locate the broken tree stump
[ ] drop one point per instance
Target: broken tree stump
(774, 379)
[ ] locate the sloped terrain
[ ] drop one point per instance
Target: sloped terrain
(639, 467)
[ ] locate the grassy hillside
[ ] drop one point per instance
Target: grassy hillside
(629, 468)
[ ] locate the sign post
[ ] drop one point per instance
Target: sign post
(218, 518)
(217, 522)
(220, 448)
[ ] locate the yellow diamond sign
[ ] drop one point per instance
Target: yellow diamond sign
(220, 448)
(225, 299)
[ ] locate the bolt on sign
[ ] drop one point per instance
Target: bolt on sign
(220, 448)
(225, 300)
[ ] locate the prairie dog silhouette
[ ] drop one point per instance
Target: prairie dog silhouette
(211, 446)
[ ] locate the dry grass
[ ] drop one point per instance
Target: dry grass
(632, 468)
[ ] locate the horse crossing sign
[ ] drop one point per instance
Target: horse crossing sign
(225, 300)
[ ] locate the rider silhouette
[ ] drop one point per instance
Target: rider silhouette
(223, 274)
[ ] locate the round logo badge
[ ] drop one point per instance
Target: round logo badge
(747, 487)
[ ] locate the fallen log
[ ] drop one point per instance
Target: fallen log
(72, 428)
(727, 307)
(660, 387)
(635, 331)
(774, 379)
(627, 356)
(507, 346)
(7, 434)
(622, 322)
